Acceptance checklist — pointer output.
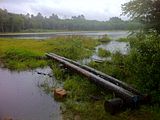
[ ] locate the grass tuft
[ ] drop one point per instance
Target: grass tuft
(103, 53)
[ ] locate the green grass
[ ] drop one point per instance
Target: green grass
(103, 53)
(116, 68)
(19, 58)
(105, 39)
(18, 54)
(123, 40)
(74, 48)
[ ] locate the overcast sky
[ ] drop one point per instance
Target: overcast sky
(91, 9)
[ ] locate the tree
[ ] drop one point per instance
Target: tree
(79, 17)
(147, 11)
(54, 16)
(115, 19)
(10, 22)
(144, 59)
(4, 17)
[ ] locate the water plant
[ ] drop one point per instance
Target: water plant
(123, 40)
(105, 39)
(103, 53)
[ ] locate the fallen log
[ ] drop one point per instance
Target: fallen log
(129, 97)
(102, 75)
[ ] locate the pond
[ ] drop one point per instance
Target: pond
(22, 98)
(93, 34)
(113, 46)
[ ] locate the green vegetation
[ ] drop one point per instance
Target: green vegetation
(115, 67)
(10, 22)
(144, 58)
(15, 58)
(103, 53)
(80, 101)
(105, 39)
(74, 48)
(25, 54)
(123, 40)
(145, 11)
(140, 66)
(144, 62)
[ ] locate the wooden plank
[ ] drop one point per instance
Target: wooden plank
(121, 92)
(102, 75)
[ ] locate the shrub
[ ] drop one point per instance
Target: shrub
(144, 62)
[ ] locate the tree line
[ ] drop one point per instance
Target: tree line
(10, 22)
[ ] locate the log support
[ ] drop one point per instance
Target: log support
(127, 95)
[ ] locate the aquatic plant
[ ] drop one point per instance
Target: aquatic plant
(103, 53)
(105, 38)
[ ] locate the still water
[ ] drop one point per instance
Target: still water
(22, 99)
(93, 34)
(113, 46)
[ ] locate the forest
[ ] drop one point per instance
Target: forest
(10, 22)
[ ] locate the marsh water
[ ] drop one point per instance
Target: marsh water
(22, 98)
(21, 94)
(113, 46)
(93, 34)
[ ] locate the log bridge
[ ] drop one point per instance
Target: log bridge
(127, 95)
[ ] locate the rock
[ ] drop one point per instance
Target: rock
(60, 92)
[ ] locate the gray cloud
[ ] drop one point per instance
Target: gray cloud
(92, 9)
(17, 1)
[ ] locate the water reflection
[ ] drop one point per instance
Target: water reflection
(22, 99)
(93, 34)
(115, 46)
